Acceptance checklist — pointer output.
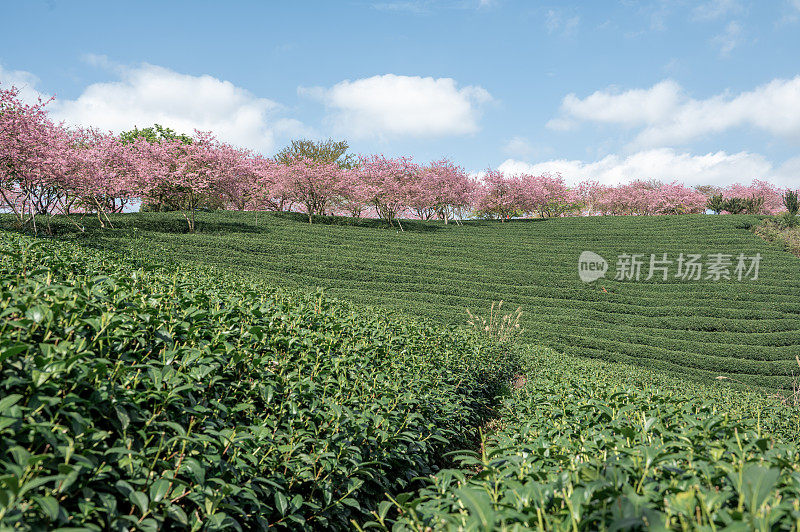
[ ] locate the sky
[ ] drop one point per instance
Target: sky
(703, 92)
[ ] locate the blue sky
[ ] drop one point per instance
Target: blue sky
(702, 92)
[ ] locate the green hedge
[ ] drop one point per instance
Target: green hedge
(140, 398)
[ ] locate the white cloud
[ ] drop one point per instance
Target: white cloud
(24, 81)
(557, 22)
(729, 39)
(791, 13)
(149, 94)
(518, 147)
(666, 115)
(716, 9)
(395, 106)
(665, 164)
(787, 172)
(630, 108)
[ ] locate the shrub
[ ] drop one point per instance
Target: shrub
(580, 449)
(735, 205)
(782, 230)
(754, 204)
(136, 398)
(716, 203)
(787, 220)
(790, 202)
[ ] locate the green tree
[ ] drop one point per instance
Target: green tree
(716, 203)
(790, 201)
(324, 151)
(155, 133)
(754, 204)
(735, 205)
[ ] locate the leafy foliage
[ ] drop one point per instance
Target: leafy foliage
(748, 331)
(782, 230)
(791, 203)
(134, 397)
(754, 205)
(735, 205)
(581, 448)
(155, 133)
(325, 152)
(140, 398)
(716, 203)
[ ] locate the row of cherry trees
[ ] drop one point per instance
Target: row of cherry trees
(48, 169)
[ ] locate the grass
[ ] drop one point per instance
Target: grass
(778, 233)
(748, 331)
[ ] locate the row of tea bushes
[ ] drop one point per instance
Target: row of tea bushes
(140, 398)
(437, 271)
(590, 445)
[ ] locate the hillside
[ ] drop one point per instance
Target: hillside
(746, 330)
(134, 397)
(139, 396)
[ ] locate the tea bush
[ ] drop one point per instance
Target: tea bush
(747, 330)
(184, 397)
(584, 447)
(141, 398)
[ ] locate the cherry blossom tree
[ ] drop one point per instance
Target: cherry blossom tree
(182, 174)
(316, 185)
(386, 184)
(641, 198)
(445, 189)
(675, 198)
(352, 200)
(772, 202)
(238, 184)
(554, 197)
(47, 169)
(102, 175)
(34, 156)
(421, 193)
(501, 196)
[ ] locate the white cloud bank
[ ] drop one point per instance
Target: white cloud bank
(391, 106)
(666, 164)
(148, 94)
(666, 115)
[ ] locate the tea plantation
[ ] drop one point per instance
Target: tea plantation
(135, 398)
(591, 446)
(144, 397)
(746, 330)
